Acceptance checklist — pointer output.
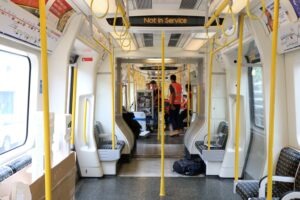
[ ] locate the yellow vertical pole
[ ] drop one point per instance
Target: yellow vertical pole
(162, 177)
(44, 58)
(238, 97)
(134, 88)
(209, 94)
(188, 96)
(272, 98)
(198, 98)
(84, 122)
(112, 69)
(121, 97)
(128, 87)
(74, 105)
(158, 104)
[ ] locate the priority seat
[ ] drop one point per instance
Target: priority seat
(286, 175)
(217, 146)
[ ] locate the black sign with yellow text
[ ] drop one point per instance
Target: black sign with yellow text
(165, 20)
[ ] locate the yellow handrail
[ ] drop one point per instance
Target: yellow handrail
(233, 21)
(188, 96)
(198, 98)
(162, 177)
(216, 14)
(238, 93)
(112, 69)
(209, 94)
(254, 17)
(121, 98)
(102, 45)
(44, 59)
(105, 13)
(224, 45)
(84, 120)
(158, 104)
(134, 89)
(128, 87)
(272, 98)
(74, 106)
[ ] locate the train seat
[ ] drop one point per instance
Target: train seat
(217, 150)
(107, 155)
(14, 166)
(286, 171)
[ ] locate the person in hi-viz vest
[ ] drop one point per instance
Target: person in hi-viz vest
(174, 108)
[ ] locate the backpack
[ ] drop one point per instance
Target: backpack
(189, 167)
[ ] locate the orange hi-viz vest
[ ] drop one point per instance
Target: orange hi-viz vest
(178, 92)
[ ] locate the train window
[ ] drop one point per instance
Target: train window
(256, 96)
(14, 100)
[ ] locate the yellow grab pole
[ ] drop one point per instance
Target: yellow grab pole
(158, 105)
(238, 97)
(128, 87)
(134, 89)
(272, 98)
(217, 13)
(74, 106)
(44, 58)
(121, 97)
(84, 122)
(198, 98)
(209, 94)
(188, 96)
(112, 69)
(162, 177)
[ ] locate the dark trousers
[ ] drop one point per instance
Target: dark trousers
(174, 117)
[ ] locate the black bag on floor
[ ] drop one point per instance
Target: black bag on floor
(189, 167)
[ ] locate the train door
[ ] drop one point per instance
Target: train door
(256, 155)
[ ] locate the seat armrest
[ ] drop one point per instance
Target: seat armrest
(204, 139)
(291, 195)
(263, 183)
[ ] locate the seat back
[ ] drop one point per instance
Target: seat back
(287, 165)
(222, 127)
(223, 135)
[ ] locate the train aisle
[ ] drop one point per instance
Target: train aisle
(129, 188)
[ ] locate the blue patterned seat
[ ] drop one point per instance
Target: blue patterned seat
(14, 166)
(287, 166)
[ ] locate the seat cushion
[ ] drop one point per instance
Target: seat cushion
(201, 146)
(247, 189)
(250, 189)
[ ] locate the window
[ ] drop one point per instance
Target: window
(14, 100)
(256, 96)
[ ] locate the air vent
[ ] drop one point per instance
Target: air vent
(143, 4)
(188, 4)
(148, 39)
(174, 40)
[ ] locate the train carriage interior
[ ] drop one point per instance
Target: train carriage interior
(149, 99)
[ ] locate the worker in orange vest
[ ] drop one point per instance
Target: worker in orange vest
(175, 103)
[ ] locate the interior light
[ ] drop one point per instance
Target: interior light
(253, 72)
(203, 35)
(195, 44)
(99, 6)
(159, 60)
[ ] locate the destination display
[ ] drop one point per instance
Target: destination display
(163, 21)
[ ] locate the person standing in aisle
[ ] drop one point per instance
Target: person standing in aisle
(154, 88)
(174, 108)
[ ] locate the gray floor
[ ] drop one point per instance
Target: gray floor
(150, 147)
(119, 188)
